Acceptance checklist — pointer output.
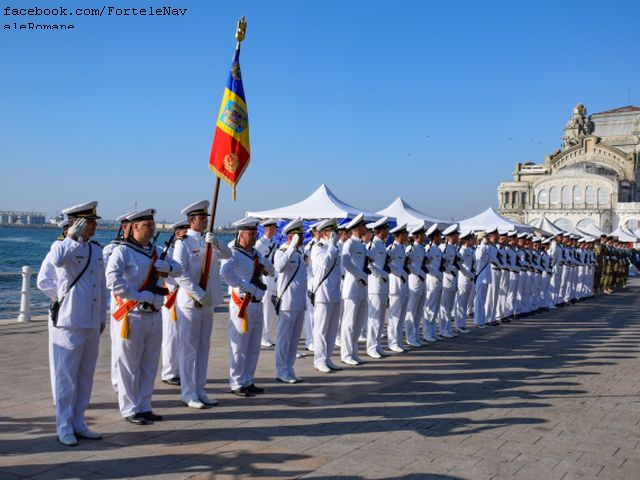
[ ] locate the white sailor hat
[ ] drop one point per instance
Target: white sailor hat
(342, 225)
(123, 218)
(546, 240)
(141, 215)
(180, 224)
(522, 235)
(198, 208)
(398, 229)
(247, 223)
(269, 222)
(84, 210)
(295, 226)
(512, 233)
(582, 240)
(491, 230)
(530, 236)
(358, 219)
(432, 229)
(503, 232)
(380, 223)
(416, 229)
(64, 223)
(451, 230)
(312, 226)
(466, 234)
(328, 223)
(536, 239)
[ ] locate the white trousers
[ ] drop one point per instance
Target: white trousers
(377, 308)
(244, 348)
(354, 314)
(75, 353)
(114, 333)
(268, 311)
(512, 291)
(194, 326)
(472, 299)
(447, 299)
(395, 320)
(462, 300)
(308, 325)
(415, 312)
(431, 306)
(326, 319)
(501, 303)
(554, 286)
(480, 301)
(138, 358)
(52, 363)
(492, 296)
(289, 329)
(170, 345)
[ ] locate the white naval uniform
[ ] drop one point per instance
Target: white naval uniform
(494, 286)
(325, 259)
(417, 293)
(398, 295)
(545, 263)
(47, 283)
(76, 336)
(449, 287)
(512, 284)
(196, 323)
(113, 325)
(555, 253)
(170, 336)
(433, 290)
(292, 274)
(138, 355)
(377, 294)
(483, 280)
(244, 348)
(354, 296)
(267, 247)
(308, 314)
(465, 283)
(503, 289)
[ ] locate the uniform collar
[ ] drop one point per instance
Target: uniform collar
(193, 233)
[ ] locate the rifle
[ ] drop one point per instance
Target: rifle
(153, 286)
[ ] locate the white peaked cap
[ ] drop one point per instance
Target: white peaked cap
(328, 223)
(451, 229)
(355, 222)
(180, 224)
(398, 229)
(432, 229)
(246, 223)
(198, 208)
(295, 224)
(378, 223)
(142, 215)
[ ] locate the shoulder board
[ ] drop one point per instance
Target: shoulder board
(96, 243)
(60, 238)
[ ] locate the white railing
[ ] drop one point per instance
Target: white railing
(25, 294)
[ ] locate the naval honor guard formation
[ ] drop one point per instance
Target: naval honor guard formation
(368, 290)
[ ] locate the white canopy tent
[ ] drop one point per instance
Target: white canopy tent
(491, 219)
(624, 235)
(322, 203)
(547, 226)
(592, 230)
(402, 212)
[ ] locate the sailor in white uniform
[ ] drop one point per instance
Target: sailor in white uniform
(325, 295)
(134, 276)
(197, 299)
(417, 285)
(47, 283)
(494, 286)
(378, 286)
(433, 264)
(291, 291)
(449, 249)
(465, 281)
(170, 371)
(354, 290)
(398, 288)
(482, 279)
(308, 315)
(81, 298)
(243, 273)
(267, 246)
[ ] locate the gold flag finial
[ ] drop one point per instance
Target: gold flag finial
(240, 31)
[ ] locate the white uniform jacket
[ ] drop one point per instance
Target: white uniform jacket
(434, 261)
(483, 261)
(449, 253)
(379, 266)
(354, 257)
(238, 270)
(325, 259)
(292, 275)
(399, 276)
(416, 254)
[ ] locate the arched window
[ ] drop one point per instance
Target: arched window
(564, 223)
(524, 199)
(543, 197)
(554, 197)
(566, 196)
(507, 198)
(577, 196)
(632, 224)
(584, 223)
(590, 196)
(603, 197)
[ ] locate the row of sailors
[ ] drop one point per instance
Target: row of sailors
(348, 285)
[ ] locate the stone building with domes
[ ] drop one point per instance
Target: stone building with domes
(593, 178)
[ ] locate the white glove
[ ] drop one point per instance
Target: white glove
(78, 228)
(333, 239)
(162, 266)
(146, 297)
(210, 238)
(295, 240)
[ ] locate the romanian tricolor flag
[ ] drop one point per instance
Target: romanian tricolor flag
(230, 149)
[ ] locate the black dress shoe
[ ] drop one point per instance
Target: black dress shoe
(253, 389)
(242, 392)
(136, 419)
(172, 381)
(505, 320)
(150, 416)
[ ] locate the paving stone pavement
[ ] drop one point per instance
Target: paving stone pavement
(555, 396)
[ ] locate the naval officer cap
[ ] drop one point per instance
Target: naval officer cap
(247, 223)
(343, 224)
(466, 234)
(378, 224)
(512, 233)
(141, 215)
(546, 240)
(84, 210)
(312, 227)
(451, 230)
(416, 229)
(294, 227)
(270, 222)
(124, 217)
(180, 224)
(356, 222)
(329, 223)
(198, 208)
(522, 235)
(503, 232)
(63, 224)
(402, 228)
(432, 229)
(491, 230)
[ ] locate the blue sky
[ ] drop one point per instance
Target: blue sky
(433, 101)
